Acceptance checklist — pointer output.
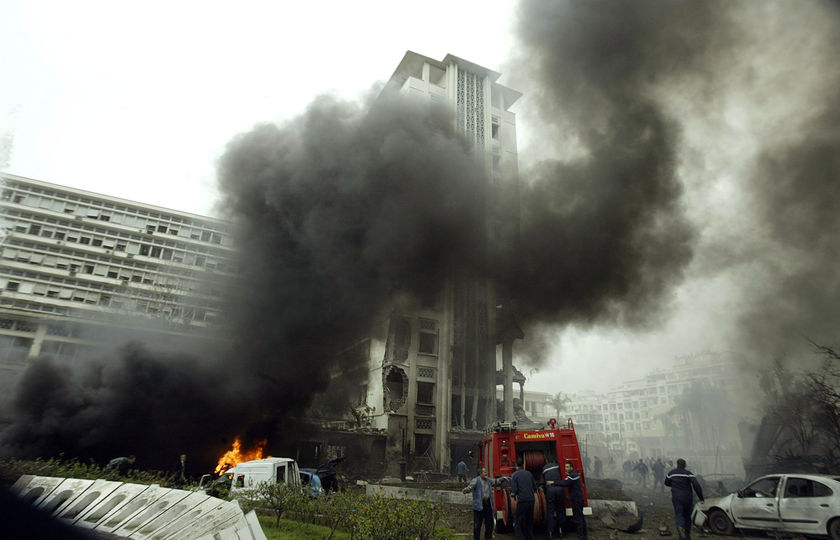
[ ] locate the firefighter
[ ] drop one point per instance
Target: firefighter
(522, 488)
(682, 481)
(573, 483)
(555, 499)
(658, 474)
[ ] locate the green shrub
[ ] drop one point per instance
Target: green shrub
(13, 468)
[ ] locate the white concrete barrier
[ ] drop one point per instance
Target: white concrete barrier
(138, 511)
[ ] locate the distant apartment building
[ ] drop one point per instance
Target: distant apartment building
(644, 417)
(76, 266)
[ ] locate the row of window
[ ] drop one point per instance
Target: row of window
(178, 314)
(164, 286)
(45, 198)
(75, 260)
(159, 305)
(122, 242)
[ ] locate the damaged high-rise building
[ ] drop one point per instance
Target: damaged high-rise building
(432, 375)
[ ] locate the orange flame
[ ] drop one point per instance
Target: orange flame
(235, 455)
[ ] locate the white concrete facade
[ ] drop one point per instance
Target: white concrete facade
(631, 419)
(76, 264)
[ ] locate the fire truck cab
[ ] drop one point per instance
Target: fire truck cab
(500, 450)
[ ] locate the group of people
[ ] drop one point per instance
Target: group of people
(641, 470)
(682, 482)
(523, 489)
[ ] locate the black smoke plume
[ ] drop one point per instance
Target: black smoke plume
(604, 234)
(337, 213)
(347, 207)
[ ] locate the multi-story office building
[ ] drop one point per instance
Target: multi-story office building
(79, 266)
(432, 378)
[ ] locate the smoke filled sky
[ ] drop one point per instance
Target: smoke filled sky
(705, 137)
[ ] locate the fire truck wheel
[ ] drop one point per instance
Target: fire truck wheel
(506, 523)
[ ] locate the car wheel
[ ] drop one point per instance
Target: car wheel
(719, 522)
(834, 529)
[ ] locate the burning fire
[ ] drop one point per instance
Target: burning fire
(235, 455)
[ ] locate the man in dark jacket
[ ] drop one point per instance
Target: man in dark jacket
(658, 474)
(522, 488)
(555, 499)
(642, 471)
(576, 500)
(682, 481)
(482, 489)
(181, 471)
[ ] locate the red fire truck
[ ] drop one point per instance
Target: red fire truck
(500, 450)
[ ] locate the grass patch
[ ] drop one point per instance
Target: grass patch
(294, 530)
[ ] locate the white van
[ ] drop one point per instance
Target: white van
(274, 470)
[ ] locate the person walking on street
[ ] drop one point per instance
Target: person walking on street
(682, 481)
(658, 474)
(575, 487)
(599, 468)
(555, 499)
(642, 470)
(461, 469)
(628, 469)
(482, 489)
(522, 488)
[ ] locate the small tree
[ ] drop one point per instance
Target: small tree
(559, 401)
(279, 498)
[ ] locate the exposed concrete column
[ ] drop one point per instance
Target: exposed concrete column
(507, 369)
(38, 341)
(508, 331)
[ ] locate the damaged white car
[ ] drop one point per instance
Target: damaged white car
(796, 503)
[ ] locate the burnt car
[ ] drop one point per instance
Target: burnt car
(793, 503)
(310, 482)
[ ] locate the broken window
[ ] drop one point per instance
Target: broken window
(428, 338)
(396, 388)
(422, 444)
(428, 343)
(425, 392)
